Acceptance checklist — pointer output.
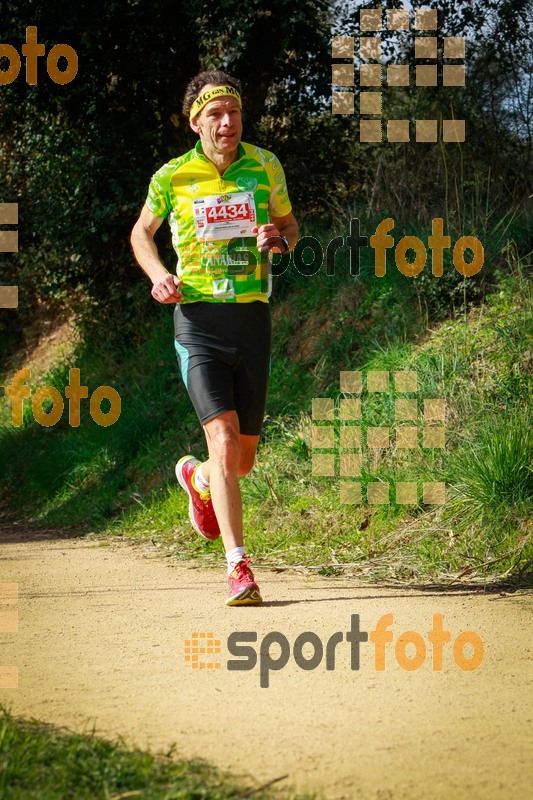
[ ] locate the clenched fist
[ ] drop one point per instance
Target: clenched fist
(269, 238)
(166, 290)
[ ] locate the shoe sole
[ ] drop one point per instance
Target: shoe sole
(248, 597)
(184, 486)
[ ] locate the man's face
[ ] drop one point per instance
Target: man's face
(219, 124)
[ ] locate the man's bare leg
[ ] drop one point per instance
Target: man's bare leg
(231, 455)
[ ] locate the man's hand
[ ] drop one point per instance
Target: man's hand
(166, 290)
(269, 238)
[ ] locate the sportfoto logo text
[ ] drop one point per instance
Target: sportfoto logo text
(410, 253)
(32, 50)
(18, 390)
(409, 650)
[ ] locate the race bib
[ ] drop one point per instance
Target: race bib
(224, 216)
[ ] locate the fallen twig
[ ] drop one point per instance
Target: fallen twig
(260, 788)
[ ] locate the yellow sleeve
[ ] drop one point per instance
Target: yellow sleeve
(278, 204)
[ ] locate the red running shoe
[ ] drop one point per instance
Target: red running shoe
(201, 511)
(243, 590)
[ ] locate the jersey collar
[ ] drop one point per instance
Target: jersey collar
(200, 153)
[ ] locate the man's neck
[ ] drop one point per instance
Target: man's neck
(221, 160)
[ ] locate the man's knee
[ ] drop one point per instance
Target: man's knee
(224, 445)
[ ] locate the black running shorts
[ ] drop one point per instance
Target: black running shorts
(223, 352)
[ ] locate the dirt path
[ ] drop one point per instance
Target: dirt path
(101, 639)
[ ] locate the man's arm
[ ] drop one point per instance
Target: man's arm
(288, 227)
(280, 226)
(165, 285)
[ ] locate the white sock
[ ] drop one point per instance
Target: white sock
(233, 556)
(201, 484)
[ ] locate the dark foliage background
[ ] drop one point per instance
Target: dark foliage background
(77, 158)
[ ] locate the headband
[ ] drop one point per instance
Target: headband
(213, 94)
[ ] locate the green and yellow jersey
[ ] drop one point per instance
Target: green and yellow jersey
(211, 217)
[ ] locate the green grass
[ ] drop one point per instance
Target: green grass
(42, 762)
(493, 477)
(120, 479)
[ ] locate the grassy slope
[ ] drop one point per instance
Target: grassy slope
(120, 479)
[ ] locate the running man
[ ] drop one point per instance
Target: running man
(228, 206)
